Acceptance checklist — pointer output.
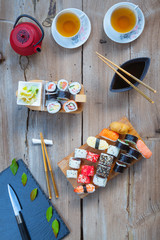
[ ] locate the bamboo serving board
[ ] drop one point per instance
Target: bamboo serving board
(64, 163)
(80, 99)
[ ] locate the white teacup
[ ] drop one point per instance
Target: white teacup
(67, 24)
(123, 18)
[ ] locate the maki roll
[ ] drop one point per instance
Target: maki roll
(53, 107)
(144, 150)
(134, 153)
(63, 96)
(80, 153)
(101, 182)
(97, 143)
(92, 157)
(62, 84)
(88, 188)
(122, 145)
(125, 158)
(74, 163)
(83, 179)
(70, 106)
(131, 139)
(50, 87)
(72, 173)
(109, 135)
(106, 159)
(119, 127)
(102, 171)
(87, 170)
(74, 88)
(51, 96)
(113, 150)
(119, 167)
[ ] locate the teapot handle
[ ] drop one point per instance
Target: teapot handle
(39, 25)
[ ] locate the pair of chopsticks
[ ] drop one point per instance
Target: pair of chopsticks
(106, 60)
(44, 151)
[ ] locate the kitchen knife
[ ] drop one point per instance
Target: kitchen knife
(17, 212)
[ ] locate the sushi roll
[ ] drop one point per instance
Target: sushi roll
(102, 171)
(87, 170)
(109, 135)
(50, 87)
(130, 139)
(134, 153)
(106, 159)
(62, 85)
(63, 95)
(51, 96)
(119, 127)
(119, 167)
(125, 158)
(70, 106)
(122, 145)
(53, 107)
(113, 150)
(101, 182)
(92, 157)
(83, 179)
(97, 143)
(72, 173)
(80, 153)
(74, 163)
(88, 188)
(143, 149)
(74, 88)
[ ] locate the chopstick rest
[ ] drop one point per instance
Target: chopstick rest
(38, 141)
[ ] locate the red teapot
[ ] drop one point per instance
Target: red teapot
(26, 38)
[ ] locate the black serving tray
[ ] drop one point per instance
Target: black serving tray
(138, 67)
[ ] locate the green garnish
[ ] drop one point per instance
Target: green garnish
(24, 179)
(55, 227)
(49, 213)
(33, 194)
(14, 167)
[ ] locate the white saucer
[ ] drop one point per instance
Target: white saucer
(124, 37)
(79, 39)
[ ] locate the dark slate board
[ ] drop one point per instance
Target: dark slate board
(34, 212)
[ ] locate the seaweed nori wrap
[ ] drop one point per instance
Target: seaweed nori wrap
(119, 167)
(125, 158)
(134, 153)
(122, 145)
(131, 139)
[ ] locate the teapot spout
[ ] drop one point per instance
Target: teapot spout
(37, 48)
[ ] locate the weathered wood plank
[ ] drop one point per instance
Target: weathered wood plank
(13, 118)
(100, 212)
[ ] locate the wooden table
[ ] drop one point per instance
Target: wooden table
(129, 207)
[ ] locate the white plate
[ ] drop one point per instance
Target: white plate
(80, 38)
(121, 37)
(22, 84)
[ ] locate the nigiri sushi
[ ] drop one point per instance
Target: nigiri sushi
(89, 188)
(108, 134)
(97, 143)
(143, 149)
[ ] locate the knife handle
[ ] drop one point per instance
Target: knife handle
(22, 227)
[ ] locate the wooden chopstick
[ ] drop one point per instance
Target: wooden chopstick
(126, 80)
(50, 169)
(127, 73)
(45, 168)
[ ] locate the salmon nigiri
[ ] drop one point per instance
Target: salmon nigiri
(89, 188)
(108, 134)
(144, 150)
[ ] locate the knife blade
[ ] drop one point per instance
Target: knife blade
(17, 212)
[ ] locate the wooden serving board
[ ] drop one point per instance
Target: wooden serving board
(80, 99)
(64, 163)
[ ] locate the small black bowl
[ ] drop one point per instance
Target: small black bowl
(138, 67)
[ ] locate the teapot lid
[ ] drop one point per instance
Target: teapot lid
(22, 35)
